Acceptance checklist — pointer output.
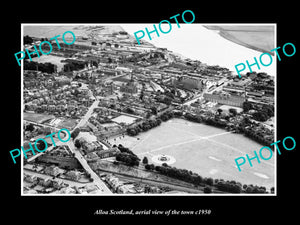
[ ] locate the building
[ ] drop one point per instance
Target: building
(67, 190)
(225, 99)
(62, 80)
(129, 87)
(126, 189)
(45, 182)
(234, 89)
(123, 69)
(52, 170)
(188, 83)
(73, 175)
(67, 161)
(30, 178)
(108, 153)
(113, 182)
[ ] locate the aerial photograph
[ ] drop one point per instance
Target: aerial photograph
(168, 116)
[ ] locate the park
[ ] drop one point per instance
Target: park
(203, 149)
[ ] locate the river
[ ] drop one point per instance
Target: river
(199, 43)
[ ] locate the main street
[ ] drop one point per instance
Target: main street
(87, 115)
(97, 181)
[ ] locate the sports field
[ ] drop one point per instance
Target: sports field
(206, 150)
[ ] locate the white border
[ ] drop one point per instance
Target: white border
(164, 195)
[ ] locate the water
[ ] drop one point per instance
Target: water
(199, 43)
(190, 40)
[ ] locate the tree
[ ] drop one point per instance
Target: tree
(247, 106)
(29, 127)
(260, 116)
(147, 167)
(27, 40)
(219, 111)
(233, 111)
(141, 95)
(129, 110)
(145, 160)
(41, 145)
(209, 181)
(75, 133)
(128, 159)
(154, 110)
(269, 110)
(77, 143)
(207, 190)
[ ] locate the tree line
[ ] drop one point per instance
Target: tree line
(149, 124)
(72, 65)
(207, 120)
(263, 112)
(180, 174)
(127, 156)
(196, 179)
(43, 67)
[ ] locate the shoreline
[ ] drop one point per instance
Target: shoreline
(231, 38)
(225, 33)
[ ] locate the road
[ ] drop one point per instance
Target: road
(97, 181)
(194, 99)
(87, 115)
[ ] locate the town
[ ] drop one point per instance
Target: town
(105, 88)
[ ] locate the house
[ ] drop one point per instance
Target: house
(126, 189)
(52, 170)
(30, 191)
(74, 175)
(108, 153)
(91, 188)
(91, 155)
(30, 178)
(45, 182)
(67, 190)
(113, 182)
(57, 184)
(129, 87)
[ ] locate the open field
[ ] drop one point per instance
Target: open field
(36, 117)
(124, 119)
(56, 60)
(206, 150)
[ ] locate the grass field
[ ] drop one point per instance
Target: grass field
(36, 117)
(206, 150)
(56, 60)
